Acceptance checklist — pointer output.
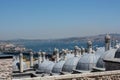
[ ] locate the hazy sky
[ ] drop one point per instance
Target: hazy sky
(49, 19)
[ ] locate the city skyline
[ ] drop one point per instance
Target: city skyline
(51, 19)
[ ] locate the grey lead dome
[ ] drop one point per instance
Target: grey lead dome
(117, 53)
(46, 66)
(70, 64)
(58, 67)
(110, 54)
(87, 62)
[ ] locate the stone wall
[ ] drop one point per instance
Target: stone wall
(5, 68)
(107, 75)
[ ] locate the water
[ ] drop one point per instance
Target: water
(49, 46)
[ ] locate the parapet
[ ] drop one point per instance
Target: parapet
(6, 67)
(111, 75)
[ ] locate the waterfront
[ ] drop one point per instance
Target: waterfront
(49, 46)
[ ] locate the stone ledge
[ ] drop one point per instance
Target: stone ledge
(94, 75)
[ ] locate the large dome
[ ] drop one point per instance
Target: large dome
(87, 62)
(101, 51)
(110, 54)
(70, 64)
(100, 62)
(46, 66)
(58, 66)
(117, 54)
(106, 55)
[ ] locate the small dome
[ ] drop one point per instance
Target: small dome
(46, 66)
(70, 64)
(87, 62)
(16, 65)
(58, 66)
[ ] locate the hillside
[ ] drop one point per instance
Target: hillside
(92, 38)
(72, 39)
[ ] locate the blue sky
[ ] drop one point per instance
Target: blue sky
(49, 19)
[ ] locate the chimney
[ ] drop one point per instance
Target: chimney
(67, 51)
(63, 54)
(75, 50)
(107, 42)
(57, 54)
(31, 59)
(43, 56)
(89, 46)
(79, 51)
(39, 58)
(82, 51)
(21, 62)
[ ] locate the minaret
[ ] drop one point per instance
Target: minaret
(107, 42)
(31, 59)
(89, 46)
(39, 58)
(21, 62)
